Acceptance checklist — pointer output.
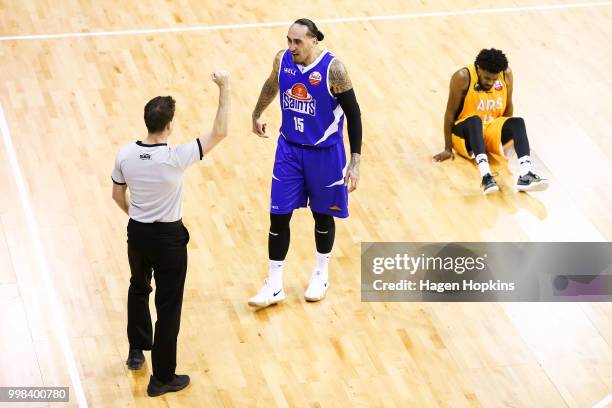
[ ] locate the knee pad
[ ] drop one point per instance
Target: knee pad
(323, 222)
(474, 121)
(279, 222)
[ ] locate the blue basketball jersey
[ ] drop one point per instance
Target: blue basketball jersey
(311, 114)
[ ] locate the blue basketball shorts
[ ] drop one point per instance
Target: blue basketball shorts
(307, 175)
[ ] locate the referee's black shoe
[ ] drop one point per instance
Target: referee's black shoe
(135, 359)
(157, 388)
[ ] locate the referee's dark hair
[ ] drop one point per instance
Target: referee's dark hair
(492, 60)
(158, 112)
(313, 31)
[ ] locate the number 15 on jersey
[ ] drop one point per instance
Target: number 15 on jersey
(299, 124)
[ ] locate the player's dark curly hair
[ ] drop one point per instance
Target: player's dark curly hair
(492, 60)
(313, 31)
(158, 112)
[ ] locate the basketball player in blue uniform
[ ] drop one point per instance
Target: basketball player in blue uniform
(310, 166)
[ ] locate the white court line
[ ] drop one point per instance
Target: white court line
(319, 21)
(606, 402)
(42, 263)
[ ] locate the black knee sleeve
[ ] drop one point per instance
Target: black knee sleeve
(471, 131)
(279, 236)
(475, 134)
(325, 232)
(514, 129)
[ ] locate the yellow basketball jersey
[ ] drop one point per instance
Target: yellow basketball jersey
(489, 105)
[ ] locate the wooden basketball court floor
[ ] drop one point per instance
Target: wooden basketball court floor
(70, 102)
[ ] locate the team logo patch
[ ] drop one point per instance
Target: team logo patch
(299, 100)
(498, 85)
(299, 91)
(315, 78)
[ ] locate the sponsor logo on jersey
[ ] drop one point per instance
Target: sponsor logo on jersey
(299, 100)
(314, 78)
(289, 71)
(498, 85)
(145, 156)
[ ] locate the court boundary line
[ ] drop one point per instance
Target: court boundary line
(606, 402)
(42, 263)
(407, 16)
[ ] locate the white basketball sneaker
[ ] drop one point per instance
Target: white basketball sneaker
(267, 296)
(316, 287)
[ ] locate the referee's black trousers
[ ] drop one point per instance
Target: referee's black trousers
(159, 250)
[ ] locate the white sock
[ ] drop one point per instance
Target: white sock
(323, 263)
(483, 164)
(275, 276)
(524, 165)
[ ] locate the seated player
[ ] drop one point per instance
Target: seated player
(478, 120)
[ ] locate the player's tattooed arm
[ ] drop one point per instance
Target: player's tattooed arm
(266, 96)
(340, 82)
(270, 87)
(351, 180)
(338, 77)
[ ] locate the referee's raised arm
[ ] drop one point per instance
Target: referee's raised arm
(209, 140)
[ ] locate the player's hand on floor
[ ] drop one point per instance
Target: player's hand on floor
(445, 155)
(259, 127)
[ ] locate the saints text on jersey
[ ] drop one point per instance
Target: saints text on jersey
(299, 100)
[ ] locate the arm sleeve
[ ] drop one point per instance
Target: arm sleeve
(117, 175)
(189, 153)
(348, 102)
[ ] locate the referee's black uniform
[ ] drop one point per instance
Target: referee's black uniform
(157, 245)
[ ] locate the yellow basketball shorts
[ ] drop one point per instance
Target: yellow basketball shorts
(492, 133)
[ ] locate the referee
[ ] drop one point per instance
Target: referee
(157, 238)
